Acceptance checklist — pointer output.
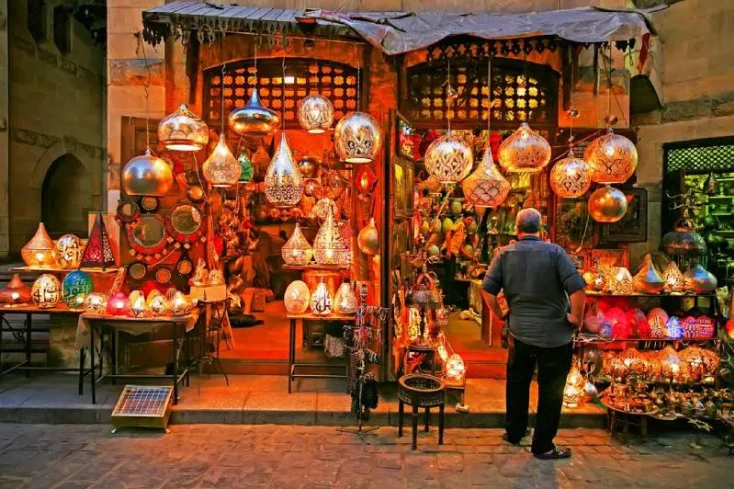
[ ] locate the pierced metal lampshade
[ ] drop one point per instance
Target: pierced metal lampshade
(683, 240)
(357, 138)
(449, 159)
(39, 251)
(283, 180)
(486, 186)
(253, 119)
(329, 245)
(315, 114)
(569, 178)
(297, 250)
(525, 151)
(611, 158)
(221, 169)
(607, 204)
(147, 175)
(183, 131)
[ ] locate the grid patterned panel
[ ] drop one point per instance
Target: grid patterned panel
(143, 401)
(710, 157)
(335, 81)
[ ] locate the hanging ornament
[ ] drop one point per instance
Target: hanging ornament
(699, 280)
(368, 239)
(674, 281)
(569, 178)
(449, 159)
(315, 114)
(16, 292)
(297, 250)
(183, 131)
(683, 240)
(39, 251)
(357, 138)
(607, 204)
(246, 168)
(69, 251)
(147, 175)
(365, 179)
(345, 301)
(253, 119)
(648, 280)
(75, 288)
(221, 169)
(525, 151)
(329, 246)
(486, 187)
(611, 158)
(297, 297)
(321, 300)
(283, 180)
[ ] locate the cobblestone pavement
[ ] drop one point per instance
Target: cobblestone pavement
(255, 456)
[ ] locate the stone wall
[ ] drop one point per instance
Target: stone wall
(4, 115)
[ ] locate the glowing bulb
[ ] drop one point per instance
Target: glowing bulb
(290, 80)
(675, 368)
(39, 256)
(15, 296)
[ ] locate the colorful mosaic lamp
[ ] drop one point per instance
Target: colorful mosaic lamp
(75, 288)
(283, 180)
(183, 131)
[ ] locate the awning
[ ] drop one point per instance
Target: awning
(397, 32)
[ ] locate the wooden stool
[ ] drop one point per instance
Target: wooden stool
(421, 391)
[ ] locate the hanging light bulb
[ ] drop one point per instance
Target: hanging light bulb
(569, 178)
(283, 180)
(357, 138)
(254, 119)
(315, 113)
(525, 151)
(486, 187)
(183, 131)
(147, 175)
(611, 158)
(221, 169)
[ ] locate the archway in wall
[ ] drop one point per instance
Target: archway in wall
(66, 197)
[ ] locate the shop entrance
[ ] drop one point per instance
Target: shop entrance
(66, 197)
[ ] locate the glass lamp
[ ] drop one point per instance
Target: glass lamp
(449, 159)
(357, 138)
(297, 250)
(297, 297)
(183, 131)
(75, 288)
(345, 301)
(147, 175)
(455, 368)
(611, 158)
(329, 246)
(39, 251)
(486, 186)
(46, 291)
(525, 151)
(118, 305)
(95, 303)
(283, 180)
(321, 300)
(221, 169)
(69, 251)
(569, 178)
(315, 114)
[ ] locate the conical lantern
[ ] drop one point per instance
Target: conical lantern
(16, 292)
(683, 240)
(283, 180)
(158, 304)
(368, 239)
(345, 301)
(138, 307)
(297, 250)
(607, 204)
(39, 251)
(253, 119)
(221, 169)
(611, 158)
(183, 131)
(569, 178)
(315, 114)
(321, 300)
(648, 280)
(673, 277)
(619, 281)
(357, 138)
(700, 281)
(525, 151)
(147, 175)
(449, 159)
(329, 246)
(486, 187)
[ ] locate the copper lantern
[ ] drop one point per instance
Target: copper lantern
(253, 119)
(16, 292)
(183, 131)
(39, 251)
(525, 151)
(611, 158)
(569, 178)
(147, 175)
(607, 204)
(683, 240)
(357, 138)
(297, 250)
(221, 169)
(283, 180)
(486, 186)
(449, 159)
(315, 114)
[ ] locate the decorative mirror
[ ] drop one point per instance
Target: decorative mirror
(184, 266)
(148, 234)
(163, 276)
(149, 203)
(127, 211)
(137, 271)
(185, 224)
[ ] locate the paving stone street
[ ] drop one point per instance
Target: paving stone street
(292, 457)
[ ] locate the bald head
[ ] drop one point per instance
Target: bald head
(528, 221)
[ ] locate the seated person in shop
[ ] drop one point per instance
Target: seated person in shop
(545, 295)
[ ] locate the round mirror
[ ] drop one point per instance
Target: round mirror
(128, 211)
(186, 219)
(149, 232)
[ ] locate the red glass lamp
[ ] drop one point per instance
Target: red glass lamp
(118, 305)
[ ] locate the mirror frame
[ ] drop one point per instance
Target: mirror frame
(121, 217)
(147, 250)
(181, 237)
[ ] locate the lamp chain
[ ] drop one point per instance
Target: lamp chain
(224, 70)
(146, 87)
(282, 109)
(448, 95)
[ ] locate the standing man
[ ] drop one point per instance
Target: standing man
(545, 294)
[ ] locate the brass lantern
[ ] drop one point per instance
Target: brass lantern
(357, 138)
(283, 180)
(253, 119)
(569, 178)
(183, 131)
(315, 114)
(329, 246)
(368, 239)
(297, 250)
(611, 158)
(39, 251)
(607, 204)
(449, 159)
(525, 151)
(648, 280)
(486, 186)
(147, 175)
(683, 240)
(221, 169)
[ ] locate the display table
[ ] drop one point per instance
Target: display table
(135, 326)
(293, 366)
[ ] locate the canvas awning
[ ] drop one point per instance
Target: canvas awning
(396, 32)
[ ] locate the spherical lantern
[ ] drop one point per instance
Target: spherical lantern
(308, 166)
(69, 251)
(118, 305)
(611, 158)
(525, 151)
(357, 138)
(253, 119)
(569, 178)
(321, 300)
(283, 179)
(449, 159)
(147, 175)
(683, 240)
(315, 114)
(297, 250)
(648, 280)
(183, 131)
(455, 368)
(345, 301)
(16, 292)
(607, 204)
(46, 291)
(297, 297)
(486, 186)
(221, 169)
(95, 303)
(699, 280)
(368, 239)
(39, 252)
(75, 288)
(329, 246)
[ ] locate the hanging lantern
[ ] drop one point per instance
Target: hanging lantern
(118, 305)
(283, 180)
(368, 239)
(253, 119)
(486, 186)
(323, 207)
(525, 151)
(138, 307)
(365, 179)
(455, 368)
(68, 251)
(39, 251)
(46, 291)
(648, 279)
(674, 281)
(221, 169)
(449, 159)
(96, 304)
(683, 240)
(246, 168)
(181, 304)
(75, 288)
(315, 114)
(569, 178)
(699, 280)
(620, 281)
(607, 204)
(183, 131)
(329, 245)
(611, 158)
(321, 300)
(308, 166)
(147, 175)
(345, 301)
(16, 292)
(357, 138)
(297, 297)
(158, 304)
(297, 250)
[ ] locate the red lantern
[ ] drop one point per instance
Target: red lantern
(495, 139)
(637, 322)
(698, 328)
(118, 305)
(620, 325)
(365, 179)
